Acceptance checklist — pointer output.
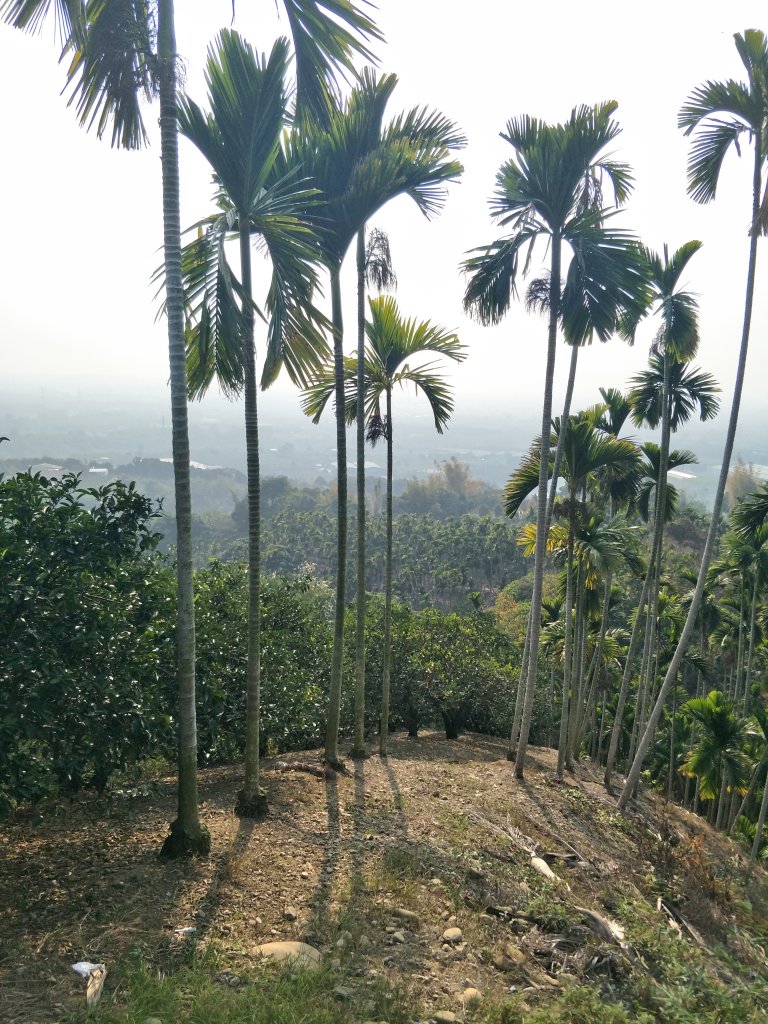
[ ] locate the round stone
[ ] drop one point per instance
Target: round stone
(301, 954)
(452, 935)
(471, 996)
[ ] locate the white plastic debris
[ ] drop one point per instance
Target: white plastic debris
(94, 975)
(184, 931)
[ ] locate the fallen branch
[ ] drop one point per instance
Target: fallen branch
(607, 930)
(320, 771)
(678, 923)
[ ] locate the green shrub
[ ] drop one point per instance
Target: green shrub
(84, 614)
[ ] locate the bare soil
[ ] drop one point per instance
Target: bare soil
(438, 829)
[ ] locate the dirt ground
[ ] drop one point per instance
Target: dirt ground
(438, 829)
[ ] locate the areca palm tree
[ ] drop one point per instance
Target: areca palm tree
(551, 188)
(119, 54)
(652, 402)
(718, 760)
(357, 165)
(393, 343)
(240, 138)
(374, 267)
(721, 114)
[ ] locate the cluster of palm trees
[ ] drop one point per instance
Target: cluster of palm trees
(300, 174)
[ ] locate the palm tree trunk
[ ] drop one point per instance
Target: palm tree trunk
(594, 668)
(721, 803)
(650, 585)
(752, 786)
(337, 663)
(518, 712)
(562, 746)
(578, 704)
(613, 747)
(358, 743)
(188, 836)
(751, 648)
(714, 523)
(384, 733)
(562, 433)
(759, 827)
(541, 511)
(251, 801)
(672, 759)
(517, 715)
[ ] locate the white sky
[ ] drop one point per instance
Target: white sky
(83, 227)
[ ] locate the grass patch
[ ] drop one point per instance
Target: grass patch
(200, 993)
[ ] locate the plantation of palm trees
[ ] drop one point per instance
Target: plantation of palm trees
(468, 764)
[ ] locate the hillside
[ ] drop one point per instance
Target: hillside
(651, 916)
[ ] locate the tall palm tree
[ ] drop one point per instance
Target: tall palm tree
(667, 393)
(240, 138)
(676, 341)
(722, 114)
(586, 451)
(357, 165)
(120, 53)
(374, 267)
(393, 343)
(551, 188)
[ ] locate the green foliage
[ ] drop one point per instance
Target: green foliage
(84, 615)
(462, 663)
(295, 654)
(434, 562)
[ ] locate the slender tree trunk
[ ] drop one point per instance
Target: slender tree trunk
(752, 786)
(384, 732)
(709, 546)
(721, 804)
(613, 747)
(188, 836)
(578, 705)
(751, 648)
(562, 746)
(562, 434)
(541, 511)
(518, 712)
(760, 826)
(649, 592)
(337, 663)
(594, 668)
(358, 744)
(517, 715)
(672, 759)
(251, 800)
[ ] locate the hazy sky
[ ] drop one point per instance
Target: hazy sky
(83, 228)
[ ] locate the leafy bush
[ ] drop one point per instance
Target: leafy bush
(83, 616)
(296, 643)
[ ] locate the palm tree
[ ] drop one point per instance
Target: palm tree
(357, 166)
(240, 138)
(722, 113)
(676, 342)
(374, 267)
(718, 760)
(585, 452)
(119, 53)
(551, 188)
(393, 343)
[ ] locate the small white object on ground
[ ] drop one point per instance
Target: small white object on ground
(94, 975)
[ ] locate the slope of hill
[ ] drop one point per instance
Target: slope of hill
(412, 876)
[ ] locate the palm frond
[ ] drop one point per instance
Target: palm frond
(328, 36)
